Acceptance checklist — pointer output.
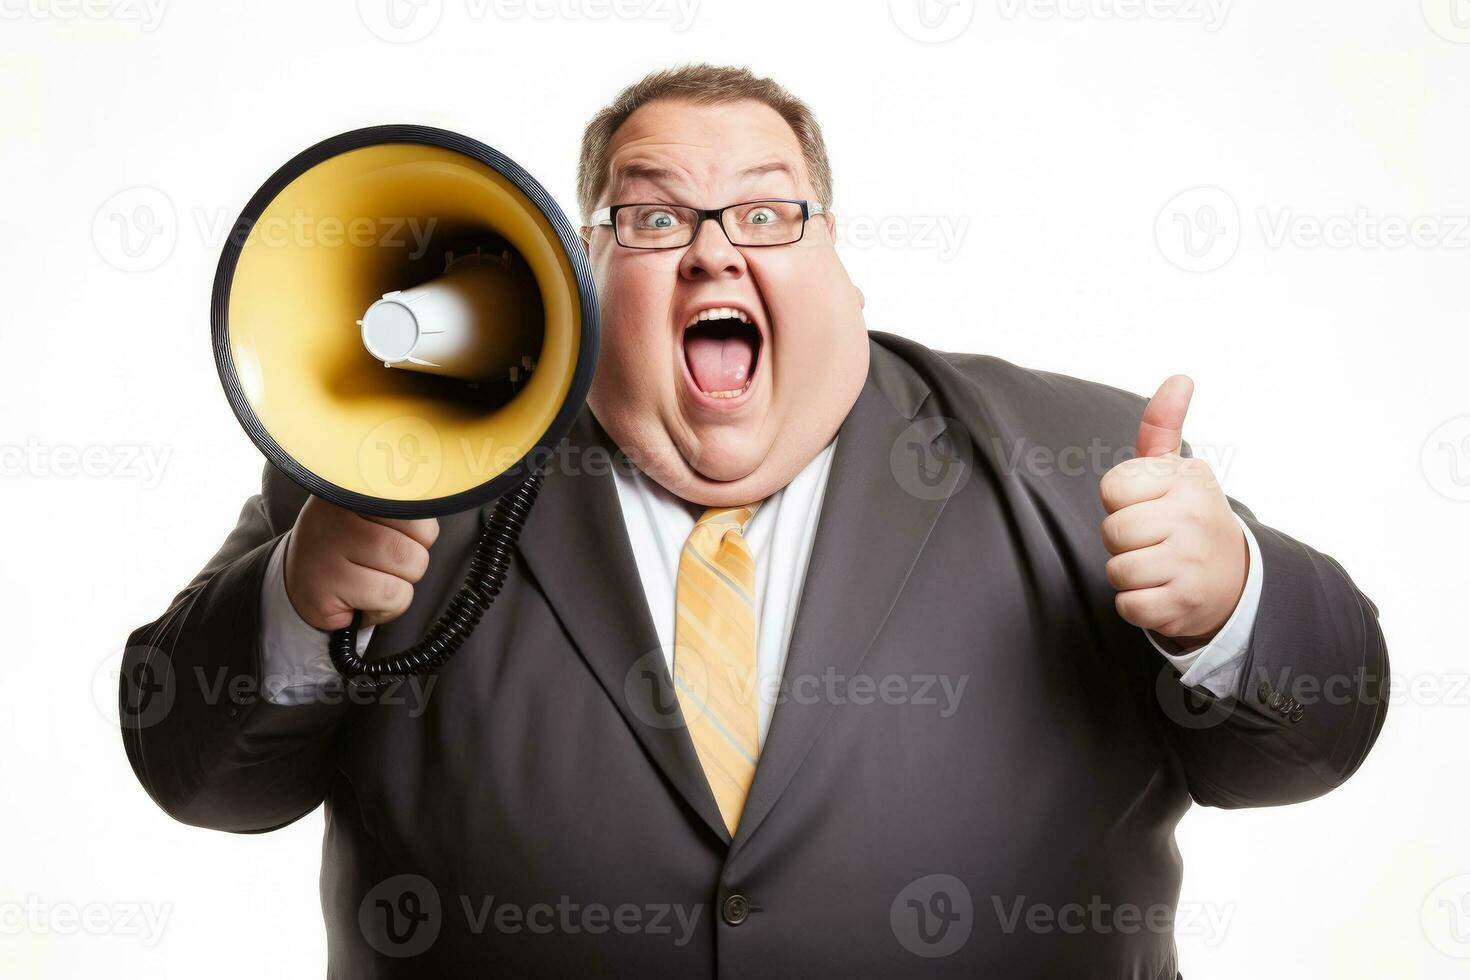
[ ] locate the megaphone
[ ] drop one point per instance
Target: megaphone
(406, 324)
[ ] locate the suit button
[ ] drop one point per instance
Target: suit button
(735, 909)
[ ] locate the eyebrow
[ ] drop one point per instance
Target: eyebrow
(775, 166)
(646, 171)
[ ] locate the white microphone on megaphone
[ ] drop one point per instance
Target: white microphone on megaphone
(443, 326)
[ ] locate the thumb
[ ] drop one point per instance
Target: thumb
(1162, 430)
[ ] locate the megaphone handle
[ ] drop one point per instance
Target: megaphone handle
(483, 581)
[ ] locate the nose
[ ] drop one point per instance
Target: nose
(710, 255)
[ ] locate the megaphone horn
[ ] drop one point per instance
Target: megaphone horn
(404, 323)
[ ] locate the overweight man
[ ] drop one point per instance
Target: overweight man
(822, 654)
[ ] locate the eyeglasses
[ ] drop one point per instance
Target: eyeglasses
(755, 224)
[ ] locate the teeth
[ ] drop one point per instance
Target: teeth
(728, 393)
(717, 313)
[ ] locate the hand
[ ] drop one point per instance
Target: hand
(338, 561)
(1179, 556)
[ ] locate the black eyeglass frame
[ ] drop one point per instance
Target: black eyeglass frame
(608, 216)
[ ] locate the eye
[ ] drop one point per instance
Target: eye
(761, 216)
(658, 220)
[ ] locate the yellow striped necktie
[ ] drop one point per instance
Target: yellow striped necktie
(715, 653)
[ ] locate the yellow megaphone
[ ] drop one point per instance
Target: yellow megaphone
(405, 323)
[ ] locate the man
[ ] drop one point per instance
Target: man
(879, 662)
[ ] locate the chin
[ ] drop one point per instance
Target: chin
(728, 458)
(728, 450)
(718, 493)
(721, 470)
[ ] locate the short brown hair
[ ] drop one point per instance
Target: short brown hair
(701, 85)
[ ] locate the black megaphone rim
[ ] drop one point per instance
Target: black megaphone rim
(526, 184)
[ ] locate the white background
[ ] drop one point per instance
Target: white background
(1009, 178)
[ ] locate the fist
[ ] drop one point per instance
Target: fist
(1179, 556)
(338, 561)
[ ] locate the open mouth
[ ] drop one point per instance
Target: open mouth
(721, 349)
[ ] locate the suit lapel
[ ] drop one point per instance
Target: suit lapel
(892, 471)
(575, 545)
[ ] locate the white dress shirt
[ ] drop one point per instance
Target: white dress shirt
(780, 535)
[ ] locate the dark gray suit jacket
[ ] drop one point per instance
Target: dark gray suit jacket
(976, 769)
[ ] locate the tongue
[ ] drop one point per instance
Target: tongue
(719, 363)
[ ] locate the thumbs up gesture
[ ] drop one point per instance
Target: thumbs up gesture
(1179, 557)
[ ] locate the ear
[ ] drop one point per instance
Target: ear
(862, 300)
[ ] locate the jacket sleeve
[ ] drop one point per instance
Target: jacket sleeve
(1311, 698)
(206, 745)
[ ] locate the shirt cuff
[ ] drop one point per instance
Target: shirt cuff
(293, 653)
(1217, 665)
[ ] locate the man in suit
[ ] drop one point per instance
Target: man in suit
(822, 653)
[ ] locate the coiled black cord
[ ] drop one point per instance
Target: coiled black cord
(482, 584)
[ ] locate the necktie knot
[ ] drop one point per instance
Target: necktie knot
(736, 517)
